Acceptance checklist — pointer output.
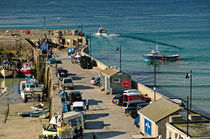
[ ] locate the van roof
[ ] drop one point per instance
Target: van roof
(132, 91)
(131, 94)
(78, 103)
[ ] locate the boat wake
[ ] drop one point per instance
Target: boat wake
(105, 35)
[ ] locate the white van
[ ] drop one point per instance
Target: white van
(79, 106)
(131, 91)
(67, 83)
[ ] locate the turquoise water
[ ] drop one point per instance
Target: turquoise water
(180, 27)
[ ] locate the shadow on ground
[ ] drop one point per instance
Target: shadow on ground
(94, 102)
(95, 116)
(82, 87)
(95, 125)
(77, 78)
(103, 135)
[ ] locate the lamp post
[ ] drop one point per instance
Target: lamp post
(90, 45)
(154, 88)
(189, 75)
(187, 115)
(119, 49)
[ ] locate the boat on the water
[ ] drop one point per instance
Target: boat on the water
(102, 31)
(156, 56)
(6, 71)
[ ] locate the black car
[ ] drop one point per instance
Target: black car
(75, 96)
(131, 107)
(118, 99)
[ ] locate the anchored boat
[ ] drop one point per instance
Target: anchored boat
(27, 68)
(155, 55)
(31, 88)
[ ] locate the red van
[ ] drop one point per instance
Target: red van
(135, 96)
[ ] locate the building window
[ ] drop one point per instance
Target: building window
(116, 80)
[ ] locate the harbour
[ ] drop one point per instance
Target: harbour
(177, 85)
(102, 116)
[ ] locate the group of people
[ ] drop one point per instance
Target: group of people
(78, 133)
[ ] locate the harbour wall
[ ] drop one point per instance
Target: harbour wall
(142, 88)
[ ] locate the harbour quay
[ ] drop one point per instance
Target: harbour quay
(100, 117)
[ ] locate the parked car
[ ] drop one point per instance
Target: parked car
(118, 99)
(135, 96)
(75, 96)
(79, 106)
(67, 82)
(95, 80)
(131, 107)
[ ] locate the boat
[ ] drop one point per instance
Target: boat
(27, 68)
(102, 31)
(31, 88)
(156, 56)
(6, 69)
(33, 113)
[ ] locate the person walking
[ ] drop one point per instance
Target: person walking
(76, 133)
(87, 105)
(81, 132)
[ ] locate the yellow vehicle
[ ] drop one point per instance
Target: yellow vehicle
(74, 119)
(64, 129)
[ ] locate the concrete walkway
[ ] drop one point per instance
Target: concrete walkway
(104, 118)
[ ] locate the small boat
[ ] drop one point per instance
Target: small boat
(38, 107)
(155, 56)
(33, 113)
(6, 69)
(27, 68)
(102, 31)
(31, 88)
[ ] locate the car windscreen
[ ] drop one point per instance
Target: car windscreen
(78, 109)
(68, 81)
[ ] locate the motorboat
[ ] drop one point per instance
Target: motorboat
(6, 71)
(6, 68)
(31, 88)
(102, 31)
(27, 68)
(155, 56)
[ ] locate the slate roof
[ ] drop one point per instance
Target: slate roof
(159, 109)
(110, 71)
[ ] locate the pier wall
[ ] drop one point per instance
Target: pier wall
(142, 88)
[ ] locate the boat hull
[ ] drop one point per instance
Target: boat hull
(162, 58)
(6, 73)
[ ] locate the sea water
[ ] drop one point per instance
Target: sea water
(178, 27)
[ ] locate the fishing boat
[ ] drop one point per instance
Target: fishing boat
(27, 68)
(155, 56)
(31, 88)
(6, 69)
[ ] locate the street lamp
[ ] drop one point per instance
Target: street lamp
(119, 49)
(154, 88)
(189, 75)
(90, 45)
(187, 115)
